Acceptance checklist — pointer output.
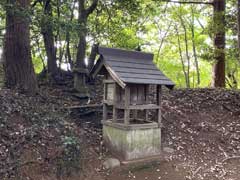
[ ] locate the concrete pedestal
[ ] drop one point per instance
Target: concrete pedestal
(132, 142)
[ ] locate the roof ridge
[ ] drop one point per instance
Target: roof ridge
(125, 53)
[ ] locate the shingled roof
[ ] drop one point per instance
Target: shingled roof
(133, 67)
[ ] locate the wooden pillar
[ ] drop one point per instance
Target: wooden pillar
(104, 111)
(159, 100)
(114, 103)
(147, 101)
(104, 104)
(126, 106)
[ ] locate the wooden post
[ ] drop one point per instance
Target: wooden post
(104, 104)
(147, 101)
(159, 100)
(126, 106)
(114, 103)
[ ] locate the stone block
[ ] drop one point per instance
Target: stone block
(132, 143)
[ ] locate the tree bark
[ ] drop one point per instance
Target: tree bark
(19, 72)
(92, 57)
(68, 52)
(187, 51)
(181, 57)
(218, 79)
(194, 47)
(80, 69)
(48, 37)
(68, 37)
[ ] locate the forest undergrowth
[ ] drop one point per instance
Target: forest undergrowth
(42, 138)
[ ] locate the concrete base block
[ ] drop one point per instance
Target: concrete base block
(132, 143)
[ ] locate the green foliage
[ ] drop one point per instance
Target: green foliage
(70, 160)
(150, 24)
(37, 63)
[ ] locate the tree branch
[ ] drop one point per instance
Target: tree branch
(189, 2)
(92, 7)
(35, 3)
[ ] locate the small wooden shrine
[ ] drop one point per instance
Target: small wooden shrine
(130, 127)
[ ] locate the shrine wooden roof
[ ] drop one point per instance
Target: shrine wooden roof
(126, 67)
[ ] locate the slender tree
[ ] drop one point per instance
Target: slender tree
(186, 49)
(194, 46)
(218, 72)
(68, 37)
(18, 66)
(186, 75)
(48, 37)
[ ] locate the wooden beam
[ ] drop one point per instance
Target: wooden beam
(138, 107)
(114, 102)
(114, 76)
(83, 106)
(126, 106)
(104, 104)
(104, 112)
(108, 81)
(147, 101)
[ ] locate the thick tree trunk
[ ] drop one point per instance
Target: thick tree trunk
(18, 65)
(81, 51)
(80, 69)
(48, 37)
(219, 44)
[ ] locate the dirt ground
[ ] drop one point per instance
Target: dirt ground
(202, 126)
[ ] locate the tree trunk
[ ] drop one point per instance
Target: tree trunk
(68, 52)
(194, 47)
(92, 57)
(181, 57)
(19, 72)
(48, 37)
(68, 37)
(219, 44)
(187, 51)
(80, 69)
